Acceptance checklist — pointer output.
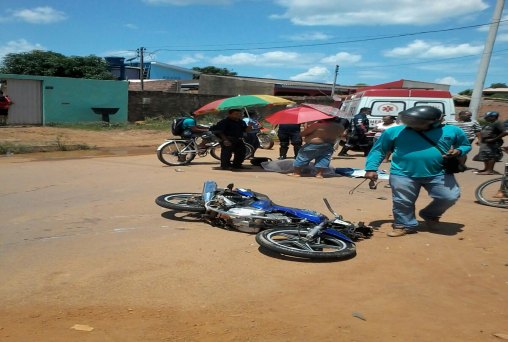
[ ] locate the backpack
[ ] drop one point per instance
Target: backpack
(177, 126)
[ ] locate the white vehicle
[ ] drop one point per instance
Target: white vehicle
(392, 101)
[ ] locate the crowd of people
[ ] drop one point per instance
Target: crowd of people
(416, 142)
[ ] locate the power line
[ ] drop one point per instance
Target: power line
(432, 61)
(327, 43)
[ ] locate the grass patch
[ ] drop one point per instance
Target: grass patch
(59, 145)
(157, 123)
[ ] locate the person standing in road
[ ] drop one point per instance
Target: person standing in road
(416, 164)
(470, 127)
(490, 141)
(5, 103)
(289, 133)
(388, 121)
(231, 131)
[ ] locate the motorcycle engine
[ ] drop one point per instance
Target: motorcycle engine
(244, 219)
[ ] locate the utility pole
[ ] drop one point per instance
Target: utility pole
(334, 80)
(476, 97)
(141, 52)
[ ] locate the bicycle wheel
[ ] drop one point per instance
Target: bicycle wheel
(215, 151)
(191, 202)
(175, 153)
(485, 193)
(265, 141)
(292, 242)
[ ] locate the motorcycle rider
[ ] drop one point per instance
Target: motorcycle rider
(416, 164)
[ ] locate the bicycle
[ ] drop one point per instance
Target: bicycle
(494, 192)
(177, 152)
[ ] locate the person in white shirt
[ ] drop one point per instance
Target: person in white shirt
(388, 121)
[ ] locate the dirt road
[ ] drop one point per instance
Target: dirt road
(83, 243)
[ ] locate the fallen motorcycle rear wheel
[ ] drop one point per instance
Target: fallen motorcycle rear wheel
(190, 202)
(292, 242)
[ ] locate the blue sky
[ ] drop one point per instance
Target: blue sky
(372, 41)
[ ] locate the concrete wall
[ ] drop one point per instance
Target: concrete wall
(212, 84)
(70, 100)
(149, 104)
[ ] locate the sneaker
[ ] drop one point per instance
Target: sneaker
(400, 231)
(281, 158)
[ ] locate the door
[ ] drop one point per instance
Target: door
(26, 96)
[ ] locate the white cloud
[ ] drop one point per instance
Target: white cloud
(423, 49)
(374, 12)
(186, 60)
(131, 26)
(310, 36)
(342, 58)
(452, 81)
(503, 37)
(188, 2)
(274, 58)
(314, 74)
(39, 15)
(18, 46)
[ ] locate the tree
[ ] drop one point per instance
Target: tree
(211, 70)
(467, 92)
(498, 85)
(48, 63)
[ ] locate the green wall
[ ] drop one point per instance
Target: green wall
(69, 100)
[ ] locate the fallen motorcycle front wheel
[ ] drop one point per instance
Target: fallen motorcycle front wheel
(293, 242)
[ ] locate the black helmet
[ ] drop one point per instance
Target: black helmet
(421, 117)
(491, 114)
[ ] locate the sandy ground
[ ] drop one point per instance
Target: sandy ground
(83, 243)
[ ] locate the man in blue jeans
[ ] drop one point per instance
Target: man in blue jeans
(416, 164)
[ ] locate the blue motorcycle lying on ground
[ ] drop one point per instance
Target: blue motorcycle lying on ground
(288, 231)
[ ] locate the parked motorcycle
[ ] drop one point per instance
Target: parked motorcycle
(284, 230)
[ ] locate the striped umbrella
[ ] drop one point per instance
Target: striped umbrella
(242, 101)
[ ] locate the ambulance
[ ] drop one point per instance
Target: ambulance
(394, 97)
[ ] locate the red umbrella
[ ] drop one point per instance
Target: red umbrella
(302, 113)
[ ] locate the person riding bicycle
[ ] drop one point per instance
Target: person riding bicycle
(191, 129)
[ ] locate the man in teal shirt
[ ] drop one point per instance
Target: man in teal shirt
(416, 164)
